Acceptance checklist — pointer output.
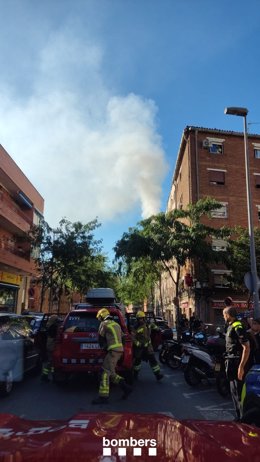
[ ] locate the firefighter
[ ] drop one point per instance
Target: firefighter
(110, 338)
(143, 349)
(51, 330)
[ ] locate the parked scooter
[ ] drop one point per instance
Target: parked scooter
(174, 350)
(167, 348)
(206, 363)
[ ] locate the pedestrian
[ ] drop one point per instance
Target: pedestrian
(143, 349)
(110, 338)
(51, 331)
(237, 354)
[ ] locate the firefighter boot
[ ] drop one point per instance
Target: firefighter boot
(126, 389)
(159, 376)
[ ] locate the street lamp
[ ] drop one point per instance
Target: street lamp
(242, 112)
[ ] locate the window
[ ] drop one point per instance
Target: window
(257, 181)
(219, 245)
(217, 177)
(258, 212)
(221, 212)
(216, 148)
(220, 278)
(180, 204)
(214, 145)
(257, 153)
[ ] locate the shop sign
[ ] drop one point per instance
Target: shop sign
(236, 304)
(10, 278)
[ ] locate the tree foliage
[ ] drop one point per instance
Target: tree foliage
(69, 257)
(237, 257)
(136, 281)
(173, 238)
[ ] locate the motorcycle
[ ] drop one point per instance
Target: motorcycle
(206, 363)
(172, 354)
(167, 350)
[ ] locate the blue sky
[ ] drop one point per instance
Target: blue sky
(95, 94)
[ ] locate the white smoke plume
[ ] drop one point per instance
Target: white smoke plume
(89, 151)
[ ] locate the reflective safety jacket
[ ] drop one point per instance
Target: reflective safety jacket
(142, 335)
(111, 333)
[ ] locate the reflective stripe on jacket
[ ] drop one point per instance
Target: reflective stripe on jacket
(112, 333)
(142, 336)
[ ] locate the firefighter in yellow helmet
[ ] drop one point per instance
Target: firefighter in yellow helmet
(110, 338)
(143, 346)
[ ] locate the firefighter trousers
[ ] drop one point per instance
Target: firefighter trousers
(109, 372)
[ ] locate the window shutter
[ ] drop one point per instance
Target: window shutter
(216, 176)
(257, 181)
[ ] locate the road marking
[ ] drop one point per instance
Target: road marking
(218, 414)
(176, 384)
(188, 395)
(170, 375)
(205, 408)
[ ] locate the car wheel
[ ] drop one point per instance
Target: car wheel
(6, 386)
(191, 376)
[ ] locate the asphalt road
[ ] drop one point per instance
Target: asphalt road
(34, 399)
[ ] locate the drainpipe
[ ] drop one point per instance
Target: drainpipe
(197, 166)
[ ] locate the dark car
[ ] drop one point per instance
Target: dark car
(18, 352)
(77, 349)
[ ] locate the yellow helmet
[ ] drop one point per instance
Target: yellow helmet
(140, 314)
(102, 314)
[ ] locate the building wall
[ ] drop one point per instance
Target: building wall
(19, 204)
(195, 167)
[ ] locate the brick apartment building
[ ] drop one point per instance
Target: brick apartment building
(20, 206)
(211, 162)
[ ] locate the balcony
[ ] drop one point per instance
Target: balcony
(11, 216)
(15, 259)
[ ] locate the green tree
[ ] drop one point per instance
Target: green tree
(136, 281)
(69, 258)
(173, 238)
(237, 257)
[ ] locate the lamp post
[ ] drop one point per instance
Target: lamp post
(242, 112)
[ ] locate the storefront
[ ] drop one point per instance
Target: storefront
(218, 306)
(9, 287)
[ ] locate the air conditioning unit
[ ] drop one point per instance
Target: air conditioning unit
(205, 143)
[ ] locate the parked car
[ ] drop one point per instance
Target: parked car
(77, 349)
(18, 352)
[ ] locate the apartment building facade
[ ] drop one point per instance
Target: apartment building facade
(21, 206)
(211, 162)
